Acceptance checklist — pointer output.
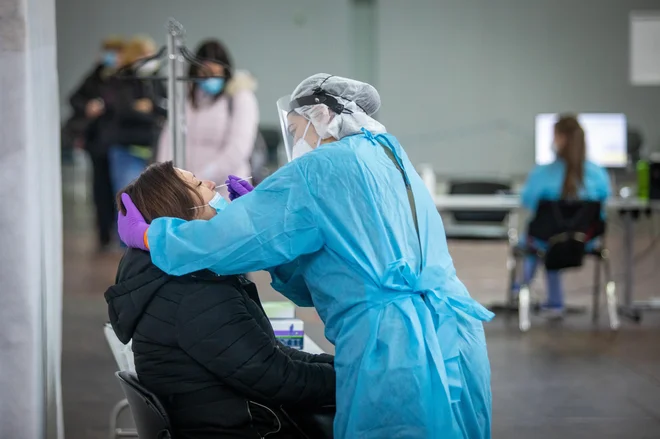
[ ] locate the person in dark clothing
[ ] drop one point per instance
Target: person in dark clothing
(135, 113)
(202, 342)
(81, 130)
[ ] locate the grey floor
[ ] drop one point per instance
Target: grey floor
(567, 380)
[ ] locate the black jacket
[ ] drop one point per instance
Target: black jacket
(204, 345)
(120, 124)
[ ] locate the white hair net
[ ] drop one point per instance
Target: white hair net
(360, 100)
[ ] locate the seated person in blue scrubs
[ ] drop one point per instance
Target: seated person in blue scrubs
(202, 342)
(570, 176)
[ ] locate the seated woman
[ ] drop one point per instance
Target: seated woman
(202, 342)
(570, 176)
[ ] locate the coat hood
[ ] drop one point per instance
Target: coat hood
(137, 282)
(242, 80)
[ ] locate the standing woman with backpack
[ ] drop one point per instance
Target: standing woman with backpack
(222, 118)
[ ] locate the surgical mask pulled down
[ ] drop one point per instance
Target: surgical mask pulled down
(218, 203)
(301, 147)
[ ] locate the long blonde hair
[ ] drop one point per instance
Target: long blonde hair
(573, 153)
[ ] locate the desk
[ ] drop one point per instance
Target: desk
(628, 208)
(311, 347)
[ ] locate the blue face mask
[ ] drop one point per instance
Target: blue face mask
(110, 59)
(212, 86)
(218, 202)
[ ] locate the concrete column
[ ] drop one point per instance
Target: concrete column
(30, 223)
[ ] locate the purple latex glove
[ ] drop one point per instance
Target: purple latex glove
(132, 226)
(238, 187)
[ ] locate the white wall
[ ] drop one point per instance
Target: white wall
(31, 240)
(461, 80)
(281, 42)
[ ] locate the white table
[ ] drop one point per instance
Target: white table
(512, 202)
(628, 208)
(311, 347)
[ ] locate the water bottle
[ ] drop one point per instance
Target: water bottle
(643, 179)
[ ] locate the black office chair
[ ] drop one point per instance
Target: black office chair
(635, 141)
(314, 424)
(478, 188)
(566, 227)
(150, 417)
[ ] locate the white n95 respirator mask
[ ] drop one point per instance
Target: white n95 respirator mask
(301, 147)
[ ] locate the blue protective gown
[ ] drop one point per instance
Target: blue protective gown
(545, 182)
(336, 224)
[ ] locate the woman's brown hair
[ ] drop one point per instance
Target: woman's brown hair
(573, 153)
(211, 51)
(160, 191)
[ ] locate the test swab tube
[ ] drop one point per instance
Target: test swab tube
(242, 179)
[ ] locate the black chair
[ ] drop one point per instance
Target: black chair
(314, 424)
(150, 417)
(478, 188)
(635, 141)
(566, 226)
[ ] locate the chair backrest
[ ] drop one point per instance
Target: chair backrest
(150, 417)
(566, 226)
(478, 188)
(123, 353)
(567, 216)
(634, 143)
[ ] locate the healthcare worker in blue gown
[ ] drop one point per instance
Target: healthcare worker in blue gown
(349, 228)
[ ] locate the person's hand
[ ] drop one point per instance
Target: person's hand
(143, 105)
(132, 226)
(94, 108)
(237, 187)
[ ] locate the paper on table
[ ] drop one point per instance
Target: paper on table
(280, 310)
(645, 48)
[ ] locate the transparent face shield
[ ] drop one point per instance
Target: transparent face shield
(283, 110)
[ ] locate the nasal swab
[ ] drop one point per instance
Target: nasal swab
(242, 179)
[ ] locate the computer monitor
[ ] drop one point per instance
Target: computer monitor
(605, 135)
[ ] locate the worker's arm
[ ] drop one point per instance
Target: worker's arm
(270, 226)
(288, 280)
